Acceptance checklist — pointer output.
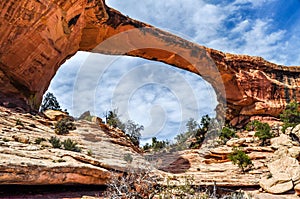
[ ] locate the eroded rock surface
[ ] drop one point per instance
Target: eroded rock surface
(36, 37)
(28, 158)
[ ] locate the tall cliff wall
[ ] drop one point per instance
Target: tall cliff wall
(37, 36)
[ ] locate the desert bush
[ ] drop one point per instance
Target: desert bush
(195, 133)
(39, 140)
(156, 145)
(262, 131)
(128, 158)
(70, 145)
(113, 120)
(19, 123)
(134, 184)
(290, 116)
(63, 126)
(240, 158)
(142, 184)
(226, 134)
(55, 142)
(133, 130)
(90, 152)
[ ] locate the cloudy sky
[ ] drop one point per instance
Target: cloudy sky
(163, 98)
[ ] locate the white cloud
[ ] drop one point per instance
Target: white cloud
(160, 97)
(254, 3)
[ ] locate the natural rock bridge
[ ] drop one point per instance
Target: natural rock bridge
(37, 36)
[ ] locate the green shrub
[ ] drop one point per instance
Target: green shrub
(262, 130)
(63, 126)
(290, 116)
(90, 152)
(39, 140)
(55, 142)
(252, 125)
(128, 158)
(133, 130)
(156, 144)
(226, 134)
(19, 123)
(240, 158)
(59, 161)
(195, 133)
(113, 120)
(146, 147)
(263, 133)
(70, 145)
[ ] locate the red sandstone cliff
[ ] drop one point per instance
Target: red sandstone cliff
(36, 37)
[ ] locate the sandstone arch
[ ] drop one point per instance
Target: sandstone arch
(36, 37)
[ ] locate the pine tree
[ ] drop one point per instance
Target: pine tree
(50, 102)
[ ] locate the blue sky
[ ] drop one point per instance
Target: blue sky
(163, 98)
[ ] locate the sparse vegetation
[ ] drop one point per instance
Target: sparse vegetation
(5, 140)
(133, 184)
(39, 140)
(128, 158)
(143, 184)
(63, 126)
(195, 133)
(113, 120)
(50, 102)
(262, 131)
(156, 145)
(59, 161)
(55, 142)
(19, 123)
(290, 116)
(70, 145)
(240, 158)
(133, 130)
(226, 134)
(90, 152)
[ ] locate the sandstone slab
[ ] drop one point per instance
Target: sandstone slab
(27, 157)
(279, 184)
(36, 37)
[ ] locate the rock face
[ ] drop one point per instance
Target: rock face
(36, 37)
(28, 158)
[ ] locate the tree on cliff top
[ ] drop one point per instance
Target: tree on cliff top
(50, 102)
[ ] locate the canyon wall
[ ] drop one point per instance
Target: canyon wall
(37, 36)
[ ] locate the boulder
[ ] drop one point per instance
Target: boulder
(282, 140)
(284, 172)
(296, 130)
(236, 142)
(297, 189)
(294, 152)
(286, 165)
(55, 115)
(288, 130)
(280, 183)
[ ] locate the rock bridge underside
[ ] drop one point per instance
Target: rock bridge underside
(37, 36)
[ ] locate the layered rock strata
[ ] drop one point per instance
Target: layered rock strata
(36, 37)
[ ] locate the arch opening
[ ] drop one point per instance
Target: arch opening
(158, 96)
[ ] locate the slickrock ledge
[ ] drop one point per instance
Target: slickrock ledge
(24, 162)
